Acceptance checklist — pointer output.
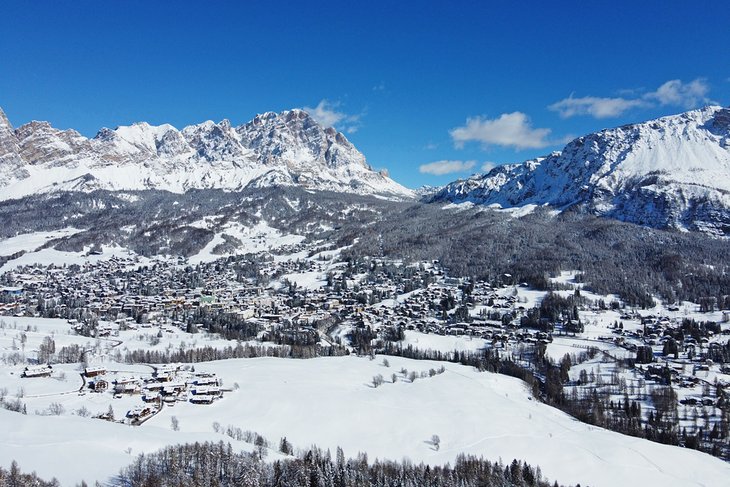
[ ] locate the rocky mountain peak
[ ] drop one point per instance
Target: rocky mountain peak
(273, 149)
(4, 122)
(721, 121)
(671, 172)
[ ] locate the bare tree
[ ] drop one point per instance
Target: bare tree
(436, 442)
(56, 409)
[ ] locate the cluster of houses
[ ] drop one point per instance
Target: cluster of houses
(424, 311)
(120, 291)
(167, 385)
(656, 331)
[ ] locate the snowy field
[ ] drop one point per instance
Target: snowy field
(158, 338)
(32, 241)
(575, 346)
(307, 280)
(331, 402)
(73, 449)
(258, 238)
(442, 343)
(16, 330)
(50, 256)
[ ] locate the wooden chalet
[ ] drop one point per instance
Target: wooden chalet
(37, 371)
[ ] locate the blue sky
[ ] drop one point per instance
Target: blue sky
(432, 91)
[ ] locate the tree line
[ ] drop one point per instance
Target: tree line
(218, 465)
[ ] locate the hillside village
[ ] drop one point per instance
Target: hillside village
(581, 352)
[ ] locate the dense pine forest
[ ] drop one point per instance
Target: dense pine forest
(217, 465)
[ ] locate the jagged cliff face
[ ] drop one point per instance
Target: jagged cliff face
(11, 164)
(673, 172)
(289, 148)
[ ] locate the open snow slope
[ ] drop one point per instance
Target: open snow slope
(73, 449)
(331, 402)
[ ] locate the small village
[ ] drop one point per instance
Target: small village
(164, 386)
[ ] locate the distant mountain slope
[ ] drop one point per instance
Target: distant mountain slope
(672, 172)
(285, 149)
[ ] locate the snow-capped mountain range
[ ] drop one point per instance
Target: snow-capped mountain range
(672, 172)
(288, 148)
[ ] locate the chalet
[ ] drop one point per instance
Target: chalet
(140, 412)
(98, 385)
(127, 385)
(153, 386)
(202, 399)
(12, 291)
(94, 371)
(104, 330)
(207, 390)
(173, 389)
(206, 381)
(458, 329)
(37, 371)
(165, 373)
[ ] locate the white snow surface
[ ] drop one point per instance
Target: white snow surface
(330, 402)
(30, 242)
(50, 256)
(442, 343)
(256, 238)
(72, 449)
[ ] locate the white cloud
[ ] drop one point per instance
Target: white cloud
(594, 106)
(439, 168)
(509, 130)
(675, 92)
(327, 114)
(488, 166)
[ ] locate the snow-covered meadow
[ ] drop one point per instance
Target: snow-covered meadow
(332, 402)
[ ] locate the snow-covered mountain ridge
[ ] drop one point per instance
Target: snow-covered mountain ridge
(288, 148)
(672, 172)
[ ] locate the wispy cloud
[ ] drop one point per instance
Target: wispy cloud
(508, 130)
(677, 93)
(439, 168)
(328, 114)
(488, 166)
(594, 106)
(674, 92)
